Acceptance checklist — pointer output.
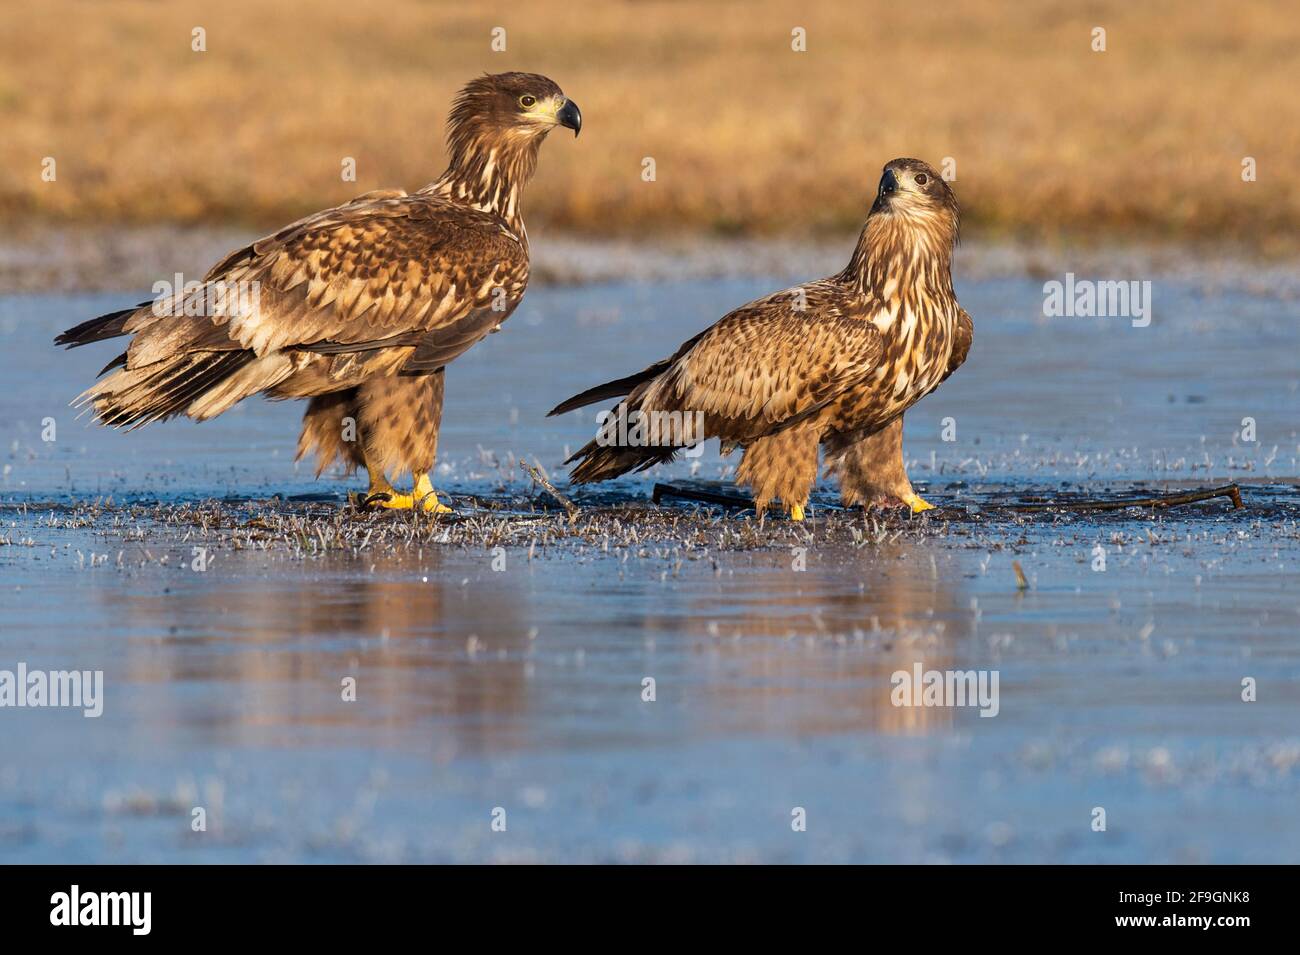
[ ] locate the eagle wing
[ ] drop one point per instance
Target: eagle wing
(381, 271)
(961, 342)
(388, 282)
(769, 364)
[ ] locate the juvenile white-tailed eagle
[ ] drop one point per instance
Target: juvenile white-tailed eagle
(833, 363)
(357, 308)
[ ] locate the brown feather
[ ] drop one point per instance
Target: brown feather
(834, 362)
(369, 299)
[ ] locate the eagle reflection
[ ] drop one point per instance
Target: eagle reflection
(813, 652)
(420, 640)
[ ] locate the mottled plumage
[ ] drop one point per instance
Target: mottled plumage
(832, 364)
(359, 307)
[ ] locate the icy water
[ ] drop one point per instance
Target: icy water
(501, 659)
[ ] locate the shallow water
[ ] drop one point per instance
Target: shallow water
(521, 687)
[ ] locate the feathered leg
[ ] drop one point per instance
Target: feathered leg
(870, 468)
(329, 428)
(782, 465)
(399, 418)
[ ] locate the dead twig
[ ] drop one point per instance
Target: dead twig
(1163, 500)
(539, 478)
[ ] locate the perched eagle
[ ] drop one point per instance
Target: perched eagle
(357, 308)
(833, 363)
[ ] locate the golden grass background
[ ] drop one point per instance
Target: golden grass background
(748, 136)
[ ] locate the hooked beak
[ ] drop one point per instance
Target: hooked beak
(570, 117)
(888, 186)
(888, 183)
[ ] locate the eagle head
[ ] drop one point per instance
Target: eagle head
(522, 107)
(911, 189)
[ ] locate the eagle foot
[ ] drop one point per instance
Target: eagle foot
(913, 502)
(917, 503)
(396, 501)
(388, 498)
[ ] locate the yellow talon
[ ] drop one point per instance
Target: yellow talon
(390, 500)
(382, 494)
(429, 500)
(917, 504)
(796, 512)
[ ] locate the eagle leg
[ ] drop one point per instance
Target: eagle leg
(782, 466)
(398, 419)
(870, 469)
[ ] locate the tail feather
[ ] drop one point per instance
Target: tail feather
(604, 458)
(180, 366)
(203, 379)
(604, 463)
(133, 397)
(118, 362)
(98, 329)
(610, 389)
(248, 377)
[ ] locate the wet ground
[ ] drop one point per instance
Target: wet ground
(501, 657)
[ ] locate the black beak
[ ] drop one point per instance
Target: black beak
(570, 117)
(888, 186)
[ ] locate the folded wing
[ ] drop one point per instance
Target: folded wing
(762, 368)
(368, 287)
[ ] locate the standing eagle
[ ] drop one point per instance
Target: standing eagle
(833, 363)
(357, 308)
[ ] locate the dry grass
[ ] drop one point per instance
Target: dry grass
(1147, 137)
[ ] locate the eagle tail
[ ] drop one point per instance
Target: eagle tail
(597, 462)
(615, 451)
(98, 329)
(200, 384)
(610, 389)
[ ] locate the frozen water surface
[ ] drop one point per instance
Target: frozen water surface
(521, 688)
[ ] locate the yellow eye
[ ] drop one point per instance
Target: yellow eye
(527, 101)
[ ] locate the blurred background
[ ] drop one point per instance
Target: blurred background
(748, 136)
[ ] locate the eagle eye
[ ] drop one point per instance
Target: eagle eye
(527, 101)
(922, 179)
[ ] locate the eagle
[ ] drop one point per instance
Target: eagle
(832, 364)
(357, 308)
